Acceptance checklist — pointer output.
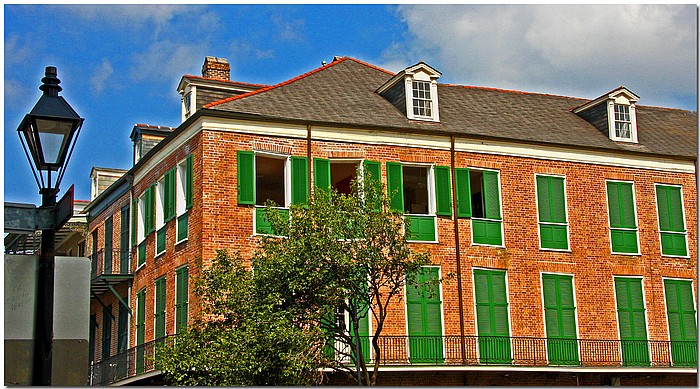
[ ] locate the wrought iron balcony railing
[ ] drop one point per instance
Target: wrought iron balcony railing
(110, 262)
(447, 350)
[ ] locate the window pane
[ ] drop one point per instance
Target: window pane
(342, 174)
(269, 180)
(415, 189)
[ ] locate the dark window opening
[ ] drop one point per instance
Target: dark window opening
(269, 180)
(476, 180)
(342, 174)
(415, 190)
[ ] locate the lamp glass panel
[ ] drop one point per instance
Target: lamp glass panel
(53, 136)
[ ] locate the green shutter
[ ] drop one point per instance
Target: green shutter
(492, 199)
(394, 176)
(464, 202)
(492, 316)
(373, 168)
(421, 228)
(682, 325)
(300, 180)
(322, 173)
(671, 222)
(246, 177)
(159, 330)
(106, 332)
(487, 232)
(552, 209)
(623, 225)
(188, 181)
(172, 196)
(424, 310)
(141, 254)
(182, 297)
(560, 319)
(443, 191)
(140, 330)
(632, 321)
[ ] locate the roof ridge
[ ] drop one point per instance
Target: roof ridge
(220, 80)
(275, 86)
(370, 65)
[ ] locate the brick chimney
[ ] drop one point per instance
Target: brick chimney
(216, 68)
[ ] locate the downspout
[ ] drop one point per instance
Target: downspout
(308, 154)
(457, 252)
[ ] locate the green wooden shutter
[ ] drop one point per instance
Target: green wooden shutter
(622, 219)
(159, 330)
(632, 321)
(671, 222)
(172, 197)
(188, 182)
(373, 168)
(492, 316)
(322, 173)
(140, 330)
(425, 317)
(682, 325)
(464, 201)
(552, 209)
(492, 199)
(106, 332)
(300, 180)
(182, 297)
(246, 177)
(443, 191)
(562, 347)
(394, 175)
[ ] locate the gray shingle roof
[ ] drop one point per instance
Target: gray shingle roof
(343, 93)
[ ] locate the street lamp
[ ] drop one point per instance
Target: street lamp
(49, 133)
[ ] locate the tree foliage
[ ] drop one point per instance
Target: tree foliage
(283, 322)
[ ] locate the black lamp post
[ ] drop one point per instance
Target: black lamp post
(49, 131)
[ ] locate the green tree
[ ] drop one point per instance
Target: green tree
(341, 256)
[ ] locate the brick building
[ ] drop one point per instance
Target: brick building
(569, 223)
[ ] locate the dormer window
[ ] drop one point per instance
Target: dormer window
(613, 114)
(187, 104)
(414, 92)
(422, 104)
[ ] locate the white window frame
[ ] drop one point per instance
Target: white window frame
(612, 119)
(180, 194)
(188, 109)
(500, 203)
(636, 220)
(421, 76)
(658, 222)
(539, 223)
(159, 217)
(432, 206)
(544, 315)
(287, 184)
(141, 222)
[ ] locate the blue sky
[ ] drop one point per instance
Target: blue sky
(120, 64)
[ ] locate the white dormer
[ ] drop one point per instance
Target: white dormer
(614, 114)
(414, 91)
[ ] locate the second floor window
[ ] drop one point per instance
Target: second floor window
(623, 219)
(551, 206)
(672, 229)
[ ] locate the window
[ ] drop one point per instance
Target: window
(106, 332)
(124, 240)
(336, 174)
(261, 177)
(421, 192)
(623, 122)
(623, 220)
(551, 206)
(91, 338)
(159, 308)
(183, 200)
(422, 103)
(187, 103)
(673, 234)
(109, 229)
(140, 330)
(632, 321)
(122, 327)
(181, 298)
(492, 316)
(94, 260)
(165, 208)
(146, 225)
(682, 326)
(560, 319)
(424, 317)
(478, 197)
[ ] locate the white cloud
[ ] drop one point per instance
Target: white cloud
(17, 52)
(16, 94)
(102, 73)
(288, 29)
(164, 59)
(582, 50)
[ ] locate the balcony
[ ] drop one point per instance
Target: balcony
(109, 268)
(447, 351)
